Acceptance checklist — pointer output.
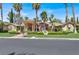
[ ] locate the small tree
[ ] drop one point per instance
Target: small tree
(36, 7)
(44, 18)
(10, 16)
(26, 18)
(51, 18)
(1, 9)
(17, 7)
(73, 13)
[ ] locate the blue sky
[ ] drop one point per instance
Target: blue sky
(58, 9)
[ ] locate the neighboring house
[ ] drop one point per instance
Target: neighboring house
(12, 27)
(77, 27)
(16, 27)
(20, 24)
(4, 26)
(55, 26)
(43, 26)
(31, 26)
(68, 27)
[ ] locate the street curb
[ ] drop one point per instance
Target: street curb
(39, 38)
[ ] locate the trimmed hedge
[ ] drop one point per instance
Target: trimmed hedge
(36, 33)
(58, 33)
(49, 33)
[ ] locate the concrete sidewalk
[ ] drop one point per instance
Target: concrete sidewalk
(22, 36)
(36, 38)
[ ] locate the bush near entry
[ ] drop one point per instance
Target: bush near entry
(12, 31)
(49, 33)
(57, 33)
(36, 33)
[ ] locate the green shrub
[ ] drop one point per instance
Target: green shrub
(4, 31)
(36, 33)
(49, 33)
(58, 33)
(12, 32)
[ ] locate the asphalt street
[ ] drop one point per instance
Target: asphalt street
(39, 47)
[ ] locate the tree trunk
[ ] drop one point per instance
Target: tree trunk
(19, 13)
(36, 20)
(44, 25)
(52, 27)
(2, 16)
(36, 15)
(74, 18)
(66, 13)
(66, 7)
(19, 19)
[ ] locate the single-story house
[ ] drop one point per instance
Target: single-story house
(43, 26)
(57, 26)
(39, 26)
(30, 25)
(12, 26)
(17, 25)
(68, 27)
(4, 27)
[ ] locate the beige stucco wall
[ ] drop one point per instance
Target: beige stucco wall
(12, 27)
(65, 28)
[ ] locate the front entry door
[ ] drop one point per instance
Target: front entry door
(22, 28)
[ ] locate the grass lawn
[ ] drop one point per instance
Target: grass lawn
(6, 35)
(59, 35)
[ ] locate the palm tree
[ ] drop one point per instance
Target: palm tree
(36, 7)
(35, 22)
(18, 8)
(10, 16)
(51, 18)
(0, 5)
(44, 18)
(66, 6)
(26, 18)
(73, 12)
(1, 14)
(66, 20)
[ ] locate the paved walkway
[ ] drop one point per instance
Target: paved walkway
(20, 35)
